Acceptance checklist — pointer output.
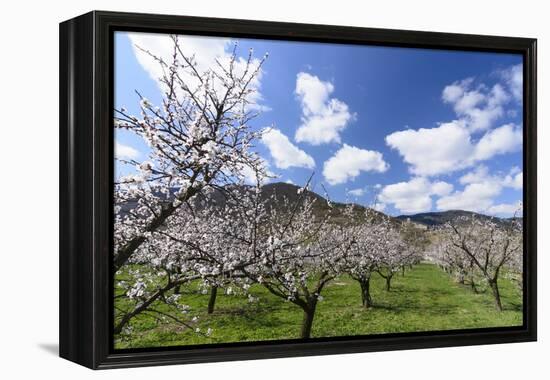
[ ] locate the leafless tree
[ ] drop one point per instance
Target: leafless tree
(488, 244)
(199, 137)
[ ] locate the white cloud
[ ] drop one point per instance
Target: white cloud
(313, 92)
(457, 144)
(477, 107)
(357, 192)
(379, 206)
(125, 151)
(349, 161)
(454, 92)
(513, 76)
(449, 147)
(250, 175)
(506, 209)
(505, 139)
(290, 182)
(435, 150)
(514, 181)
(205, 50)
(323, 118)
(475, 197)
(284, 153)
(441, 188)
(415, 195)
(480, 190)
(514, 178)
(480, 174)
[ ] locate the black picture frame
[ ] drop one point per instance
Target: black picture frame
(86, 180)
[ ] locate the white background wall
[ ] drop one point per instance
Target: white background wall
(29, 189)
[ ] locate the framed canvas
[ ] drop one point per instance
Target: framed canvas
(235, 189)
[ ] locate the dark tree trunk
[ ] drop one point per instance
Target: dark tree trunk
(177, 289)
(307, 322)
(212, 300)
(473, 285)
(388, 283)
(365, 293)
(403, 271)
(496, 294)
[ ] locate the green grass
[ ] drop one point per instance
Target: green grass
(425, 299)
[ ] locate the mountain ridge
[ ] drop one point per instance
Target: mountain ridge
(437, 218)
(428, 219)
(291, 191)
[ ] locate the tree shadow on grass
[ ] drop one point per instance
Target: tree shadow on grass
(257, 316)
(431, 291)
(517, 307)
(411, 307)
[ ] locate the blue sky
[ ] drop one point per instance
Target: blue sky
(404, 130)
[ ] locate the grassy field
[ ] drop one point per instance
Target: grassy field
(425, 299)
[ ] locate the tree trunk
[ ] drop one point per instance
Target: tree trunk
(403, 271)
(307, 322)
(388, 283)
(473, 285)
(212, 300)
(496, 294)
(365, 293)
(177, 289)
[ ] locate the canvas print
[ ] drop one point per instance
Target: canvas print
(269, 190)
